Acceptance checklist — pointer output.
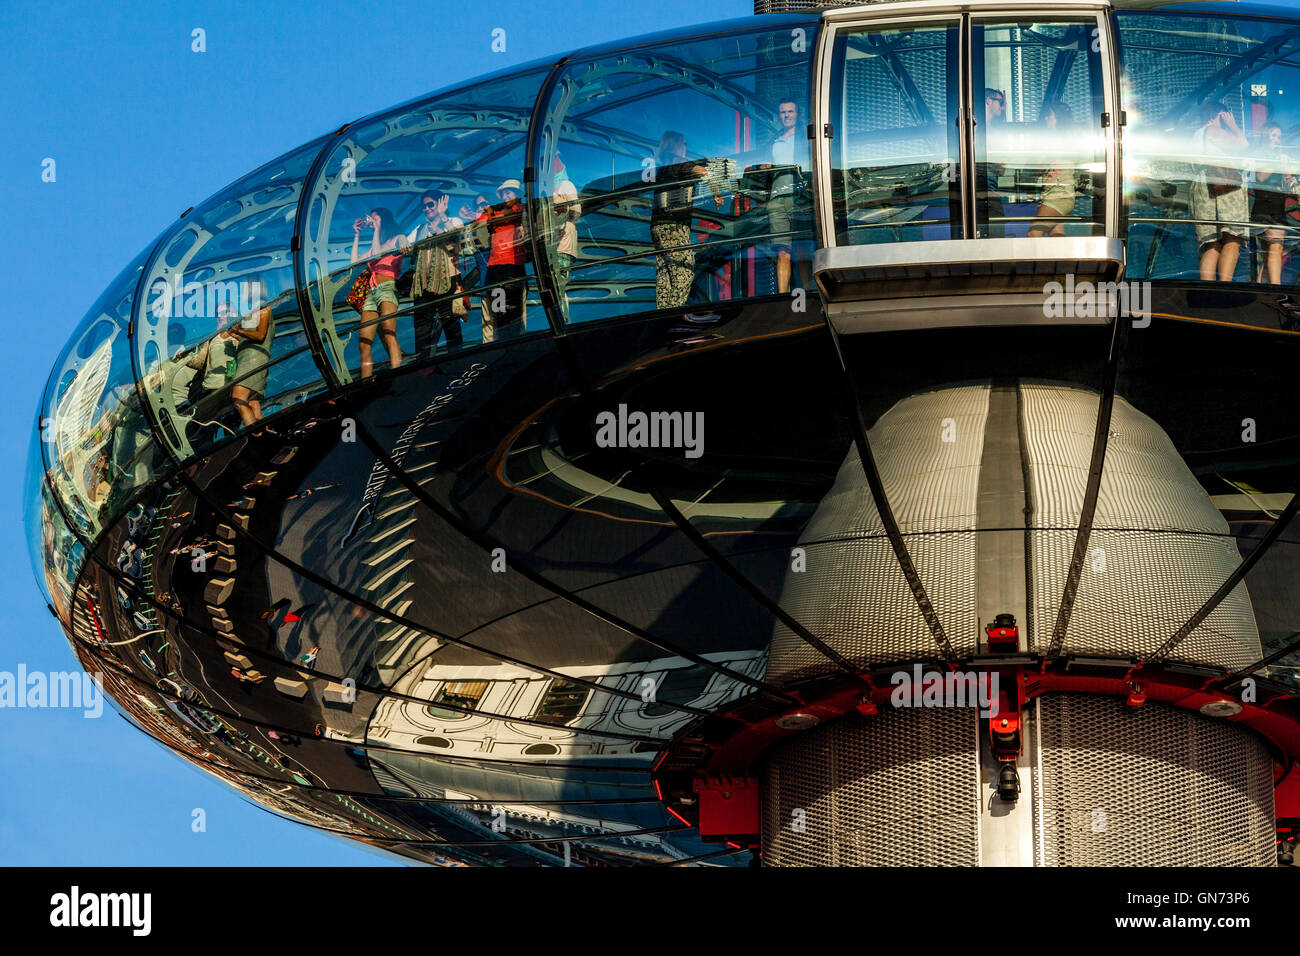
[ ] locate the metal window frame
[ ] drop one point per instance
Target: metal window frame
(845, 20)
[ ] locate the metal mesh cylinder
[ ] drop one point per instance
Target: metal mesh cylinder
(1148, 786)
(1111, 785)
(898, 789)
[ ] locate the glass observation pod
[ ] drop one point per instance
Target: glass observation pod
(965, 156)
(287, 446)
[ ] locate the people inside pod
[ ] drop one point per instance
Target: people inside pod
(213, 362)
(477, 276)
(991, 214)
(437, 276)
(252, 337)
(567, 211)
(1060, 183)
(1275, 182)
(386, 245)
(503, 294)
(671, 215)
(788, 155)
(1218, 194)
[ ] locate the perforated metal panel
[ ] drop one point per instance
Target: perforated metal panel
(898, 789)
(853, 594)
(1148, 786)
(1138, 587)
(854, 597)
(799, 6)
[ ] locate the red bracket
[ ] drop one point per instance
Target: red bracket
(728, 807)
(1004, 726)
(1003, 635)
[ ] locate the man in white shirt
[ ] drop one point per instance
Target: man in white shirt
(781, 198)
(437, 276)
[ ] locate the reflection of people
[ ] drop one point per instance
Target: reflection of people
(381, 301)
(670, 219)
(252, 335)
(477, 276)
(1058, 197)
(989, 209)
(208, 368)
(567, 211)
(437, 275)
(504, 289)
(781, 199)
(1274, 182)
(1218, 197)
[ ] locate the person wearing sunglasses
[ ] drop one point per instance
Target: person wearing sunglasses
(437, 276)
(990, 213)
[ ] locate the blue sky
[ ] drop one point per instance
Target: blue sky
(141, 128)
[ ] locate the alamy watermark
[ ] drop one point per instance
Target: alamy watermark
(77, 690)
(918, 688)
(1095, 300)
(624, 429)
(196, 300)
(75, 908)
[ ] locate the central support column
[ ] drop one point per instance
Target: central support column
(1006, 829)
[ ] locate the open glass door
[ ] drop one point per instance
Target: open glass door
(894, 137)
(1042, 126)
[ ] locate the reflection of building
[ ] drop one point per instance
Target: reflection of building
(576, 710)
(424, 607)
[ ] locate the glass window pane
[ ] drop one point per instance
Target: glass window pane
(35, 523)
(422, 212)
(61, 556)
(1212, 147)
(562, 702)
(895, 153)
(464, 694)
(221, 309)
(97, 442)
(55, 553)
(678, 174)
(1040, 149)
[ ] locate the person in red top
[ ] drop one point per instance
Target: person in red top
(506, 283)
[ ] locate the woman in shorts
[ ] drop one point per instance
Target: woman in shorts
(381, 301)
(1218, 192)
(1057, 202)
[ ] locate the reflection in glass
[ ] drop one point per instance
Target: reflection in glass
(678, 175)
(219, 338)
(1211, 154)
(97, 443)
(1040, 151)
(895, 154)
(442, 180)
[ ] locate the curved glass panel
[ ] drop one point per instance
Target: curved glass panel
(1212, 149)
(97, 442)
(219, 338)
(678, 174)
(38, 504)
(61, 555)
(422, 212)
(895, 158)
